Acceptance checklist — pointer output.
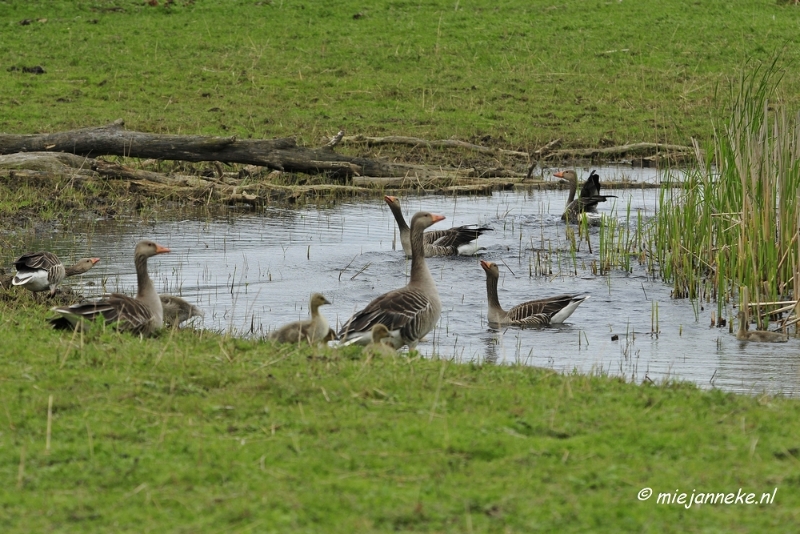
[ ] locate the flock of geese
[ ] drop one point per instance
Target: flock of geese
(401, 317)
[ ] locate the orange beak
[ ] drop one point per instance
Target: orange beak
(436, 217)
(160, 249)
(94, 260)
(486, 265)
(559, 174)
(390, 199)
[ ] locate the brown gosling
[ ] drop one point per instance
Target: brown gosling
(377, 347)
(313, 330)
(760, 336)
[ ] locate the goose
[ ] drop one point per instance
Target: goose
(42, 271)
(313, 330)
(587, 202)
(377, 347)
(761, 336)
(330, 336)
(143, 314)
(552, 310)
(176, 310)
(459, 240)
(409, 312)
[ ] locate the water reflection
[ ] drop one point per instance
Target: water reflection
(251, 272)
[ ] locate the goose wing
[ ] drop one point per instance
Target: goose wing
(408, 311)
(37, 260)
(131, 314)
(455, 237)
(542, 311)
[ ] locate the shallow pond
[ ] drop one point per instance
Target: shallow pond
(251, 272)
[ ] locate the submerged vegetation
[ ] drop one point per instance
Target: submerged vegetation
(735, 220)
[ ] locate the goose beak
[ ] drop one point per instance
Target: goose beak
(161, 250)
(390, 199)
(94, 260)
(559, 174)
(436, 217)
(485, 264)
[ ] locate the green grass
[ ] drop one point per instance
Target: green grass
(196, 432)
(513, 73)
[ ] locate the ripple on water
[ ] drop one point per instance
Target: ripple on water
(252, 272)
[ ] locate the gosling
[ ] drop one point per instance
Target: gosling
(760, 336)
(313, 330)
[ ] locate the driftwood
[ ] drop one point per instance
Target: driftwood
(635, 148)
(279, 154)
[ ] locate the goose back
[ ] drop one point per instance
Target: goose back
(143, 314)
(551, 310)
(409, 312)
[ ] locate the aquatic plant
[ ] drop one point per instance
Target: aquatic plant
(735, 218)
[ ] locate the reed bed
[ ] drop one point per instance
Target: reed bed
(734, 221)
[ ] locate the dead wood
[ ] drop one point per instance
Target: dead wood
(279, 154)
(635, 148)
(115, 170)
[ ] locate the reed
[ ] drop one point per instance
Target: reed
(733, 220)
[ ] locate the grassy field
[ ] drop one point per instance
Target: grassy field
(197, 432)
(193, 432)
(511, 73)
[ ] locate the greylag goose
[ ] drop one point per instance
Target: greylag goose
(589, 199)
(176, 310)
(762, 336)
(142, 314)
(552, 310)
(313, 330)
(409, 312)
(42, 271)
(459, 240)
(377, 347)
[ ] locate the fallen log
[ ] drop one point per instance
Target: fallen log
(279, 154)
(634, 148)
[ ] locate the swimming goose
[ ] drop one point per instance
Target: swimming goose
(40, 271)
(762, 336)
(409, 312)
(142, 314)
(176, 310)
(553, 310)
(313, 330)
(459, 240)
(587, 202)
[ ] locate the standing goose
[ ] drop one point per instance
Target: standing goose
(41, 271)
(589, 199)
(553, 310)
(409, 312)
(459, 240)
(314, 330)
(177, 310)
(142, 314)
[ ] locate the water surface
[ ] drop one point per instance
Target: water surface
(252, 272)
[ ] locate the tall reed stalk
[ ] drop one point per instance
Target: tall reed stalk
(736, 224)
